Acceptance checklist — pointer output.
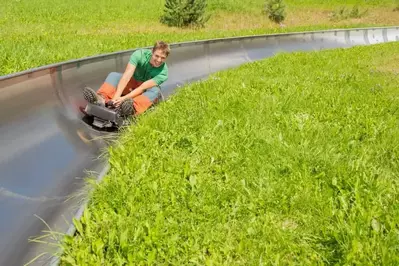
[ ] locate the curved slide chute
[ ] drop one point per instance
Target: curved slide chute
(46, 150)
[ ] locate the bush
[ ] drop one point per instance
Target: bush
(275, 9)
(343, 13)
(183, 13)
(396, 8)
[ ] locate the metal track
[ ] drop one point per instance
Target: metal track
(46, 149)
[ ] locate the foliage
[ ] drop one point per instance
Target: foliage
(343, 13)
(396, 8)
(183, 13)
(39, 32)
(275, 9)
(295, 164)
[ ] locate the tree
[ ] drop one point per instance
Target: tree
(275, 10)
(183, 13)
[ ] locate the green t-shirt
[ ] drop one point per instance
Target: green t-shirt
(144, 70)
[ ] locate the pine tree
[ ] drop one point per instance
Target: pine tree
(275, 10)
(183, 13)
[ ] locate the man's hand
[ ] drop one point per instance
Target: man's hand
(118, 101)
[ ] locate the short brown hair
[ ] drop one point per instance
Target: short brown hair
(161, 45)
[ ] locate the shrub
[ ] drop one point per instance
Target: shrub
(343, 13)
(183, 13)
(275, 9)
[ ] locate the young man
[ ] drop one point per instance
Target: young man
(137, 88)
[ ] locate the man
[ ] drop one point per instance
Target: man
(134, 91)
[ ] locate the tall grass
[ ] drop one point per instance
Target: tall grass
(38, 32)
(290, 160)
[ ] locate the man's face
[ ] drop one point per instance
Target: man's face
(158, 57)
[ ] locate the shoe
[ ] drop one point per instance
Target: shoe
(126, 108)
(91, 96)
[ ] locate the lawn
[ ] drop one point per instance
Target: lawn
(39, 32)
(250, 167)
(290, 160)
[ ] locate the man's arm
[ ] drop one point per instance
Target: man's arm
(140, 89)
(124, 80)
(155, 81)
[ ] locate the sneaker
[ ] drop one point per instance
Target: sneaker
(91, 96)
(126, 108)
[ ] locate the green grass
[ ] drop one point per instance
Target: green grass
(38, 32)
(289, 160)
